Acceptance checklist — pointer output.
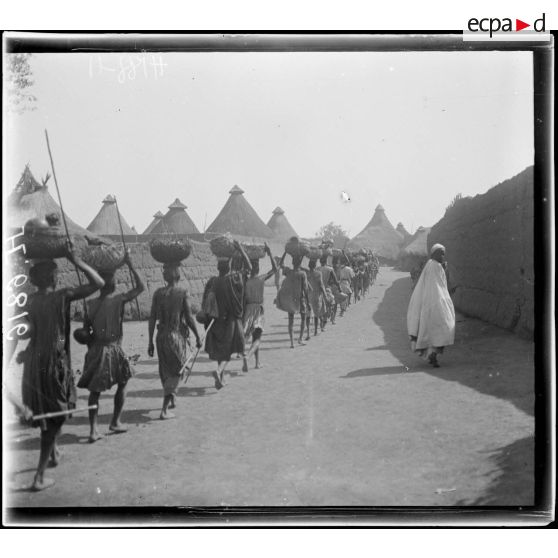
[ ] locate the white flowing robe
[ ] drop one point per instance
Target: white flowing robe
(431, 316)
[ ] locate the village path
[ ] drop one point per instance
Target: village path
(353, 418)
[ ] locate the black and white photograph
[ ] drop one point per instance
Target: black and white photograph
(274, 272)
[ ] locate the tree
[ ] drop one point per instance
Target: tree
(336, 233)
(19, 80)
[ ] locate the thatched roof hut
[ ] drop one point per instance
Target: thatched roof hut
(175, 221)
(31, 200)
(156, 219)
(106, 221)
(239, 217)
(280, 226)
(416, 251)
(418, 244)
(405, 234)
(380, 236)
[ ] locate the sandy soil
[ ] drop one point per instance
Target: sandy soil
(353, 418)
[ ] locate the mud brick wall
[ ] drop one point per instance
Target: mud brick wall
(489, 247)
(195, 272)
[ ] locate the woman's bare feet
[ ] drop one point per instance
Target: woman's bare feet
(93, 437)
(41, 483)
(166, 414)
(245, 364)
(172, 403)
(218, 382)
(54, 458)
(118, 428)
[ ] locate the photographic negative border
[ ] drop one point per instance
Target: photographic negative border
(542, 512)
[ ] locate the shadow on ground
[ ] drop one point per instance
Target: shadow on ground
(514, 483)
(483, 358)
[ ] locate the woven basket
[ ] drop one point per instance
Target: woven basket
(296, 247)
(254, 251)
(315, 253)
(336, 252)
(106, 258)
(42, 241)
(222, 246)
(169, 250)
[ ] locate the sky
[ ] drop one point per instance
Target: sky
(406, 130)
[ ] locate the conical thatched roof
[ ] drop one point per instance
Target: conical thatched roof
(418, 245)
(31, 200)
(239, 217)
(106, 221)
(405, 234)
(280, 226)
(380, 236)
(156, 218)
(175, 221)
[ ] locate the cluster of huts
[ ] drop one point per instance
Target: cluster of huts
(391, 244)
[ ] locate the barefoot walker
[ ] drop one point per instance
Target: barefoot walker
(105, 361)
(253, 319)
(171, 312)
(293, 294)
(226, 337)
(48, 383)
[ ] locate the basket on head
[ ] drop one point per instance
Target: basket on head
(336, 252)
(327, 251)
(42, 240)
(254, 251)
(296, 247)
(104, 258)
(315, 253)
(169, 250)
(222, 246)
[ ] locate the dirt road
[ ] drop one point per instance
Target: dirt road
(353, 418)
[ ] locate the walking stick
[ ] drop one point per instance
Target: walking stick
(188, 366)
(25, 412)
(125, 249)
(63, 215)
(63, 413)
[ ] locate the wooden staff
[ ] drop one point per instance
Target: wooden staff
(63, 214)
(191, 366)
(63, 413)
(25, 412)
(125, 249)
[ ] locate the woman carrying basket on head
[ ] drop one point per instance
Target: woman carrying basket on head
(226, 337)
(253, 319)
(105, 362)
(48, 382)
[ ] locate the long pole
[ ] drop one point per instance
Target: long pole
(187, 365)
(125, 249)
(63, 413)
(63, 214)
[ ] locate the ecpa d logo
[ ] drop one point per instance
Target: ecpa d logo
(493, 25)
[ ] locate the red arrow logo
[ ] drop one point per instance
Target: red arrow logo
(519, 25)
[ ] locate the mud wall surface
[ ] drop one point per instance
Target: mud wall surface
(489, 248)
(195, 271)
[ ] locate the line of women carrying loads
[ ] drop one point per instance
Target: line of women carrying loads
(232, 311)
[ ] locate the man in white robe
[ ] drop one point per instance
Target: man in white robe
(431, 315)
